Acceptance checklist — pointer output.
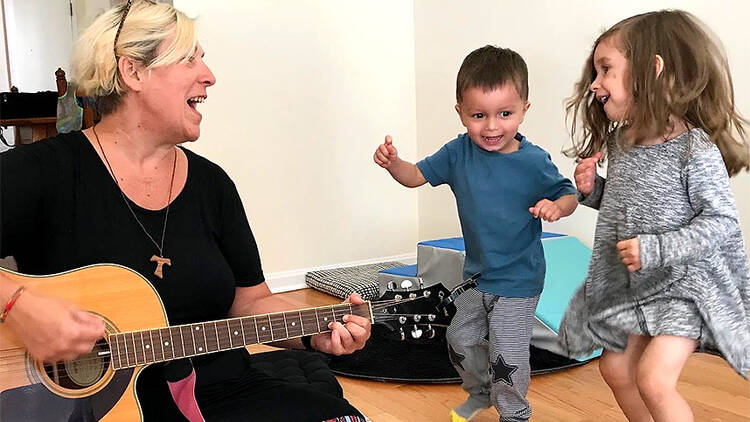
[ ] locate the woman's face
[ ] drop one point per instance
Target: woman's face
(173, 93)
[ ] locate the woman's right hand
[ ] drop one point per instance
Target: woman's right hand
(386, 153)
(51, 329)
(585, 174)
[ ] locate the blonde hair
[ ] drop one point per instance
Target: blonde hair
(146, 26)
(695, 85)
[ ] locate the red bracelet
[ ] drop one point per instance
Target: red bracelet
(11, 302)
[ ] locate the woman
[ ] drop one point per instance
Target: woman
(125, 192)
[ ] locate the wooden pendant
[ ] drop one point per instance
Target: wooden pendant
(160, 261)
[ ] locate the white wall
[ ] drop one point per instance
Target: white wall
(40, 39)
(554, 38)
(305, 92)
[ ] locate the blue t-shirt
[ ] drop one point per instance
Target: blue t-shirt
(494, 192)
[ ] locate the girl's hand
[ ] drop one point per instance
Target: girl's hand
(547, 210)
(585, 174)
(344, 338)
(52, 330)
(630, 253)
(386, 153)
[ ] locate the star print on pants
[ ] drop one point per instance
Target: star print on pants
(456, 358)
(502, 371)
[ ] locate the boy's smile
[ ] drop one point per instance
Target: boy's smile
(492, 117)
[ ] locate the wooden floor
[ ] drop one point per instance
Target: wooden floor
(714, 390)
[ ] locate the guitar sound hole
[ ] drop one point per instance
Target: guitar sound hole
(82, 372)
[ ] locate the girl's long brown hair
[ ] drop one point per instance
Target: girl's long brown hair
(695, 86)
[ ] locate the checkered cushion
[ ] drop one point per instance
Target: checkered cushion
(341, 282)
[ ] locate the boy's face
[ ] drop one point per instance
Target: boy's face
(492, 118)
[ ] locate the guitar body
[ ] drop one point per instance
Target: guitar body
(88, 388)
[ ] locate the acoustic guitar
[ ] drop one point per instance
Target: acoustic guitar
(138, 334)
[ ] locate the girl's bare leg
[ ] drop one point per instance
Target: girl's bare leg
(619, 370)
(658, 370)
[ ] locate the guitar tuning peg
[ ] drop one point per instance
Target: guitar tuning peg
(430, 331)
(391, 285)
(417, 318)
(406, 284)
(420, 282)
(403, 335)
(431, 317)
(402, 319)
(441, 295)
(426, 293)
(412, 296)
(398, 297)
(416, 332)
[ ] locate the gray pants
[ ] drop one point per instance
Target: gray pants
(497, 371)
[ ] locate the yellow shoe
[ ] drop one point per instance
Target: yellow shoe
(456, 418)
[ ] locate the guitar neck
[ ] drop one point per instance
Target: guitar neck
(136, 348)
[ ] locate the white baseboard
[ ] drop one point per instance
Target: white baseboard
(285, 281)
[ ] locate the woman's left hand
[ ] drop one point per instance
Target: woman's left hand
(344, 338)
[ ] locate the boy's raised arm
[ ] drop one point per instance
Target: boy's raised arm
(404, 172)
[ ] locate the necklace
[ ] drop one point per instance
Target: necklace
(160, 260)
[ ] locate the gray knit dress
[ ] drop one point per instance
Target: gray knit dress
(676, 198)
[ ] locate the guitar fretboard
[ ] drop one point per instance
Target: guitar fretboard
(135, 348)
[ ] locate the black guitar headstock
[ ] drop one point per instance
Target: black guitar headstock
(415, 314)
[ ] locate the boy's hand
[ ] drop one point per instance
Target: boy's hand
(386, 153)
(585, 174)
(547, 210)
(630, 253)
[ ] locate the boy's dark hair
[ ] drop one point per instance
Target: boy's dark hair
(491, 67)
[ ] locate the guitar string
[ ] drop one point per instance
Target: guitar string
(210, 344)
(276, 317)
(20, 358)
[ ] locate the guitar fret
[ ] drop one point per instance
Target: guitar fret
(317, 320)
(201, 347)
(309, 322)
(250, 332)
(169, 352)
(244, 342)
(286, 326)
(164, 344)
(216, 330)
(143, 347)
(278, 326)
(151, 343)
(209, 333)
(135, 349)
(161, 347)
(188, 340)
(125, 344)
(294, 325)
(225, 343)
(257, 334)
(119, 353)
(301, 325)
(270, 328)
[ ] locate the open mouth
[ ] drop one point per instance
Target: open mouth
(194, 101)
(603, 99)
(492, 140)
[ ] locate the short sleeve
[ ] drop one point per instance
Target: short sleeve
(21, 192)
(436, 168)
(553, 183)
(237, 242)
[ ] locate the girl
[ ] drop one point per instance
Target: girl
(669, 272)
